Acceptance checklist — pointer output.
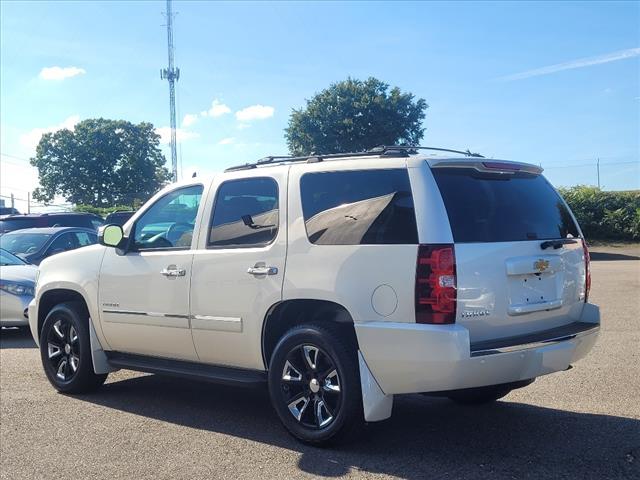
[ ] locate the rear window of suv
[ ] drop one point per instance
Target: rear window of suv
(19, 223)
(488, 208)
(359, 207)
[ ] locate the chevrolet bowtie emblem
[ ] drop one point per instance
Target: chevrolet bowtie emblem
(541, 265)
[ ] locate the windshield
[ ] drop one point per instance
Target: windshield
(7, 259)
(23, 243)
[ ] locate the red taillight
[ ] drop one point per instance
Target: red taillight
(587, 270)
(436, 284)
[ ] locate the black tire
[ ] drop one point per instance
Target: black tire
(480, 395)
(323, 361)
(65, 349)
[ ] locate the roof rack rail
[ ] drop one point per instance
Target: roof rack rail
(381, 150)
(415, 148)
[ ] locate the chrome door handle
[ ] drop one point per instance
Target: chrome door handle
(262, 270)
(173, 271)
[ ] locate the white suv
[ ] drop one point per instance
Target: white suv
(339, 281)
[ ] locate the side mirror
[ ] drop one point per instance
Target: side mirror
(110, 235)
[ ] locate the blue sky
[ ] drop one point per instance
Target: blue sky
(552, 83)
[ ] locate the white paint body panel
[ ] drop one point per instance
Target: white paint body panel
(409, 358)
(500, 294)
(347, 274)
(222, 288)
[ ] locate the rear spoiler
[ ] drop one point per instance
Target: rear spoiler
(488, 166)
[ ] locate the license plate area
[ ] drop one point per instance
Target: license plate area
(534, 283)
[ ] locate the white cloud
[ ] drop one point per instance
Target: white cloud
(242, 126)
(189, 119)
(60, 73)
(227, 141)
(217, 109)
(32, 137)
(580, 63)
(182, 135)
(254, 112)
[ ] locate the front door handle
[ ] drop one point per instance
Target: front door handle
(173, 271)
(261, 269)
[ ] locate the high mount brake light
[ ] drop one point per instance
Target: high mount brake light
(587, 270)
(435, 289)
(504, 166)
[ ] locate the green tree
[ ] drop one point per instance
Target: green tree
(355, 115)
(100, 163)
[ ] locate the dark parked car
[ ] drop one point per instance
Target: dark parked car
(9, 211)
(9, 223)
(119, 217)
(35, 244)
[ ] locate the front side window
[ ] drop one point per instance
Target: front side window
(359, 207)
(245, 213)
(84, 238)
(66, 241)
(170, 221)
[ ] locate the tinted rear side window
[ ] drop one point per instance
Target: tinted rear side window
(246, 213)
(363, 207)
(487, 208)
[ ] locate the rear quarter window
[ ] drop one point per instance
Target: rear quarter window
(359, 207)
(494, 208)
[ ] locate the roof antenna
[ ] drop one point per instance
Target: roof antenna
(194, 175)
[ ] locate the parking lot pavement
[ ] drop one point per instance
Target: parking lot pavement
(583, 423)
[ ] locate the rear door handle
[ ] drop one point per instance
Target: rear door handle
(262, 270)
(173, 271)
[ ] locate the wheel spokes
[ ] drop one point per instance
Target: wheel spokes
(62, 368)
(311, 355)
(298, 406)
(323, 415)
(73, 362)
(57, 327)
(53, 350)
(291, 373)
(73, 335)
(332, 382)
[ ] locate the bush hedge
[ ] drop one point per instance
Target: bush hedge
(605, 215)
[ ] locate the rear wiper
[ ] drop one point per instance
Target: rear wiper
(556, 244)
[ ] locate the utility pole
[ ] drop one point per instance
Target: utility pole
(598, 168)
(28, 202)
(171, 74)
(13, 201)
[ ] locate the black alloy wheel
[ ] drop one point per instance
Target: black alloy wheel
(310, 386)
(65, 349)
(314, 384)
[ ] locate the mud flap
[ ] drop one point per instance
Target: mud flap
(377, 406)
(100, 362)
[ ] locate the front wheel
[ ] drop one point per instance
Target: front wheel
(65, 350)
(314, 384)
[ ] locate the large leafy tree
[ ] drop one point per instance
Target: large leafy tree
(100, 163)
(355, 115)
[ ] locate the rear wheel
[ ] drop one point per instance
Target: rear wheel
(480, 395)
(314, 384)
(66, 351)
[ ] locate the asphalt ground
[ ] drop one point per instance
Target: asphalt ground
(583, 423)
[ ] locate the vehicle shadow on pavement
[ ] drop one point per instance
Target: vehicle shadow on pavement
(425, 437)
(16, 338)
(607, 256)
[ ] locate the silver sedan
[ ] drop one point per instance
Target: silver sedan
(17, 283)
